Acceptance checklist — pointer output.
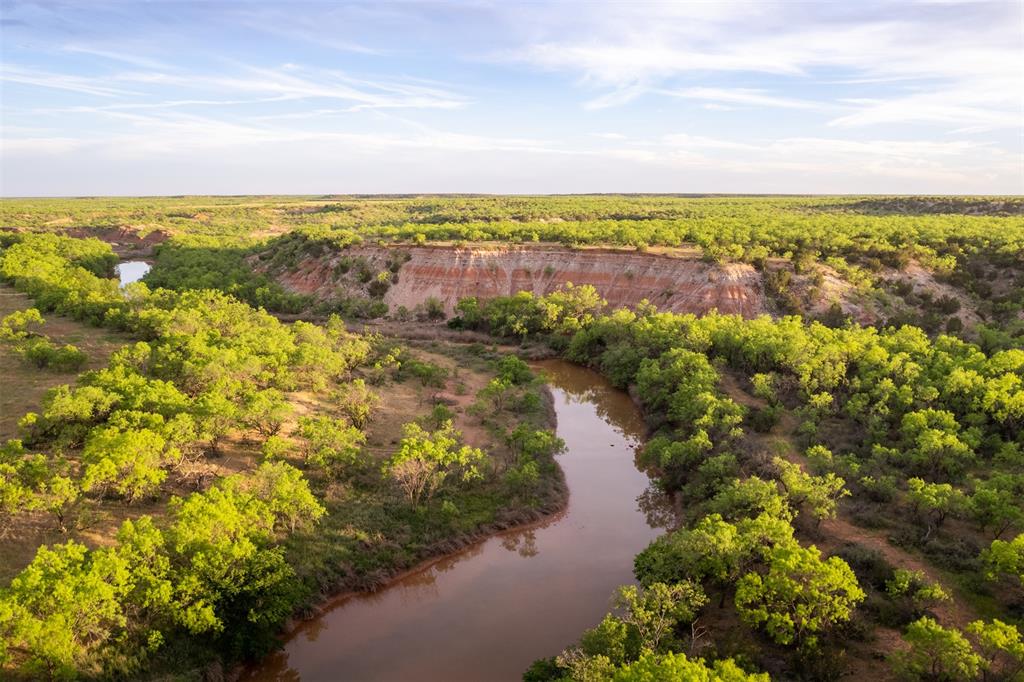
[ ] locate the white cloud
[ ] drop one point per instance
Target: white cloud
(743, 96)
(987, 104)
(965, 61)
(827, 97)
(13, 73)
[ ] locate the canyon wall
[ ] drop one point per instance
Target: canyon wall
(624, 278)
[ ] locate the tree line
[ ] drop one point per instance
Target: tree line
(927, 429)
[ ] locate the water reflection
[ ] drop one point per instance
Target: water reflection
(489, 611)
(656, 507)
(131, 271)
(523, 543)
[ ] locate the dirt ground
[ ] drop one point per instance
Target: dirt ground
(22, 385)
(864, 658)
(22, 388)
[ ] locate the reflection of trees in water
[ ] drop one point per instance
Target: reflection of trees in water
(313, 629)
(656, 507)
(524, 542)
(581, 386)
(275, 667)
(416, 586)
(422, 585)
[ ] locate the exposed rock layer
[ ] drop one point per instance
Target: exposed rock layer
(624, 278)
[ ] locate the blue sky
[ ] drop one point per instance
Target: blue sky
(258, 97)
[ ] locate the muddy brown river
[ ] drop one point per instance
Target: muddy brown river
(489, 611)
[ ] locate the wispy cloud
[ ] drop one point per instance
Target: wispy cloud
(741, 96)
(603, 96)
(12, 73)
(125, 57)
(970, 68)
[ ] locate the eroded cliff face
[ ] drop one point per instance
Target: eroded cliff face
(624, 278)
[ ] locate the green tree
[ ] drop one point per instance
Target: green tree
(936, 500)
(60, 612)
(817, 495)
(331, 444)
(751, 497)
(933, 444)
(936, 653)
(426, 461)
(613, 639)
(14, 327)
(226, 571)
(58, 496)
(357, 402)
(676, 666)
(129, 463)
(265, 411)
(655, 610)
(996, 503)
(713, 549)
(913, 590)
(286, 493)
(526, 441)
(1005, 558)
(800, 596)
(1000, 647)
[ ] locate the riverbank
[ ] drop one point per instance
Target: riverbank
(369, 539)
(480, 605)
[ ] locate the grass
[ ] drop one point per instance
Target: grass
(24, 385)
(370, 533)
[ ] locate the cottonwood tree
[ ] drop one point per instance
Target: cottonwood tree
(654, 611)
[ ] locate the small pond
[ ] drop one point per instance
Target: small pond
(131, 271)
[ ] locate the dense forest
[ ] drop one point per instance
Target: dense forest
(848, 477)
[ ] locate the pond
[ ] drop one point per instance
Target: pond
(131, 271)
(488, 612)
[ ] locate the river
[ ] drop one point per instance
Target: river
(488, 612)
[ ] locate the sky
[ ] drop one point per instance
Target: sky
(156, 98)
